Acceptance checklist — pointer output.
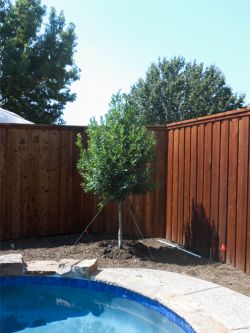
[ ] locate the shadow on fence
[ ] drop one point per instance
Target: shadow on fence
(201, 235)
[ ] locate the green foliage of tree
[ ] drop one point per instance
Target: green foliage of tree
(117, 160)
(36, 61)
(174, 90)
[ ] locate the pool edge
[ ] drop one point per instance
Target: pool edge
(100, 286)
(198, 319)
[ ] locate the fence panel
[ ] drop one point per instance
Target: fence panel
(215, 165)
(40, 186)
(37, 178)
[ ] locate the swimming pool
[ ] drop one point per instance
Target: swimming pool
(52, 304)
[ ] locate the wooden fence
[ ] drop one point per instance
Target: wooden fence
(208, 186)
(202, 201)
(40, 191)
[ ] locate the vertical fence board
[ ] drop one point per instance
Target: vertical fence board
(158, 199)
(54, 170)
(3, 171)
(187, 158)
(147, 217)
(207, 230)
(175, 185)
(44, 164)
(232, 190)
(14, 179)
(198, 209)
(215, 190)
(191, 233)
(242, 193)
(181, 185)
(33, 216)
(169, 185)
(25, 170)
(65, 200)
(223, 187)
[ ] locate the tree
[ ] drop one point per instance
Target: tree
(175, 90)
(117, 160)
(36, 61)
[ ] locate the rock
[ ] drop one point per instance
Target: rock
(43, 267)
(107, 250)
(65, 266)
(11, 264)
(85, 267)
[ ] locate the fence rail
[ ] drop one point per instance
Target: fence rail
(203, 202)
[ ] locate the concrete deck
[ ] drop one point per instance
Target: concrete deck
(207, 307)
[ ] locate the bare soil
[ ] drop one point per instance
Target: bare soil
(149, 253)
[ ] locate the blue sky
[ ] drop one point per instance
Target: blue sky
(119, 39)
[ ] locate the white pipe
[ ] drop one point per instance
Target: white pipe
(179, 248)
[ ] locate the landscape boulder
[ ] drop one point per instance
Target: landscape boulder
(12, 264)
(65, 266)
(85, 267)
(42, 267)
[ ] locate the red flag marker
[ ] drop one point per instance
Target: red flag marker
(223, 247)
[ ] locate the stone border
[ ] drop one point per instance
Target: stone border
(13, 265)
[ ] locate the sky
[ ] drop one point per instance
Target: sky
(119, 39)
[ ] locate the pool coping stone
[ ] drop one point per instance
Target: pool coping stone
(206, 306)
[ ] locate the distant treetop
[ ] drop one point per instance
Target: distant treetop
(174, 90)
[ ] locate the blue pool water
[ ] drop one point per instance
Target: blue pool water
(53, 305)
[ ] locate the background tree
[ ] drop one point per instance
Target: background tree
(175, 90)
(36, 61)
(117, 160)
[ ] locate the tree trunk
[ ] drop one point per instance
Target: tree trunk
(120, 224)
